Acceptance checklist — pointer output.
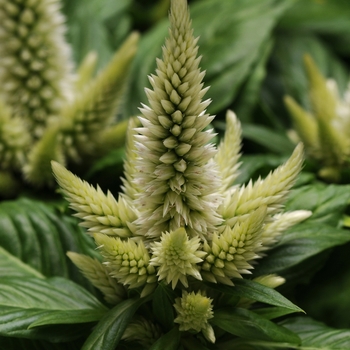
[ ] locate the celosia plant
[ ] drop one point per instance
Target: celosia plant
(46, 110)
(181, 224)
(324, 129)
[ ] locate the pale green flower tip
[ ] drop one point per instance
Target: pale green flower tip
(193, 312)
(38, 170)
(208, 333)
(271, 281)
(177, 256)
(330, 173)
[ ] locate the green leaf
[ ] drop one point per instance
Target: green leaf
(16, 322)
(95, 25)
(230, 46)
(263, 136)
(51, 294)
(273, 312)
(247, 324)
(27, 302)
(162, 306)
(314, 236)
(11, 266)
(327, 202)
(255, 291)
(316, 335)
(39, 235)
(111, 327)
(7, 343)
(169, 341)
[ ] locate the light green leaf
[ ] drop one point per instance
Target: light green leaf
(316, 335)
(247, 324)
(111, 327)
(12, 266)
(169, 341)
(249, 289)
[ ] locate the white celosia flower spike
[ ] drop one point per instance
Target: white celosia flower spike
(179, 185)
(35, 65)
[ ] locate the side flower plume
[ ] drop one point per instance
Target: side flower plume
(181, 219)
(324, 129)
(48, 111)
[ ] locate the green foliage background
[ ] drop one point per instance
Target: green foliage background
(252, 53)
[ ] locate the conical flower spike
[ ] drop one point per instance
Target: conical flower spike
(85, 118)
(334, 144)
(177, 257)
(230, 252)
(37, 170)
(306, 127)
(35, 60)
(228, 151)
(14, 140)
(271, 191)
(99, 212)
(179, 186)
(98, 275)
(128, 261)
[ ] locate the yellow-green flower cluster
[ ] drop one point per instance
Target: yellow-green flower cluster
(325, 129)
(181, 218)
(193, 312)
(47, 112)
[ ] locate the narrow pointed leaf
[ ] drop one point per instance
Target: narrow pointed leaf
(247, 324)
(169, 341)
(258, 292)
(110, 329)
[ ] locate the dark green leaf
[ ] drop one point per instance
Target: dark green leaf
(169, 341)
(7, 343)
(273, 312)
(16, 322)
(247, 324)
(162, 306)
(263, 136)
(110, 329)
(318, 336)
(255, 291)
(300, 243)
(39, 235)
